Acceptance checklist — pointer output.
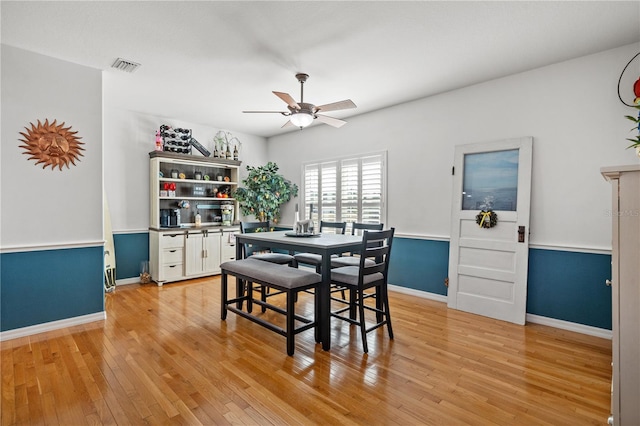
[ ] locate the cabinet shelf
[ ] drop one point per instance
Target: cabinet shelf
(196, 181)
(197, 191)
(189, 197)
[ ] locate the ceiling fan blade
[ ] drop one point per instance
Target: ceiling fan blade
(287, 124)
(288, 99)
(346, 104)
(267, 112)
(331, 121)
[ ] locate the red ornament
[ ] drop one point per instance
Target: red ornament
(636, 91)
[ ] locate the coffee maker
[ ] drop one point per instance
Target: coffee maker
(169, 218)
(174, 218)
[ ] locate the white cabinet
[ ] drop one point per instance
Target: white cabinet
(202, 253)
(625, 282)
(181, 254)
(184, 185)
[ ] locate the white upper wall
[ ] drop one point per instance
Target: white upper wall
(43, 207)
(571, 109)
(129, 136)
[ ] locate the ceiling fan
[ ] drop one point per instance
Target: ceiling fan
(301, 114)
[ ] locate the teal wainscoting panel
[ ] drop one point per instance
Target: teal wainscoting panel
(131, 249)
(419, 264)
(37, 287)
(570, 286)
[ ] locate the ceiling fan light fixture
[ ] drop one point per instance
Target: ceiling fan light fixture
(301, 119)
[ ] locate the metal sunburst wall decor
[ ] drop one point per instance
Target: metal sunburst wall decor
(52, 144)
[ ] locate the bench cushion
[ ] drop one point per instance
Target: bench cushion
(270, 273)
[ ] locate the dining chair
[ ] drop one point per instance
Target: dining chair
(356, 229)
(264, 254)
(376, 246)
(313, 259)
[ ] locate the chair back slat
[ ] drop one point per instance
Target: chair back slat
(357, 228)
(338, 227)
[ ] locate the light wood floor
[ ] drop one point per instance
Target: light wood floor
(163, 356)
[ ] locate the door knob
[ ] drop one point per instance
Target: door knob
(608, 283)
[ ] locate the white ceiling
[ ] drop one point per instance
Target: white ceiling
(207, 61)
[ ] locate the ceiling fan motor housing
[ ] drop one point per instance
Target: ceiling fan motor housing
(305, 108)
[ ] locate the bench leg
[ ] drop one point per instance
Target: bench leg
(263, 297)
(239, 291)
(223, 286)
(291, 322)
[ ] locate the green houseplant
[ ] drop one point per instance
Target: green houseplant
(636, 141)
(264, 191)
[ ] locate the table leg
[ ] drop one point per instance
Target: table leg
(323, 331)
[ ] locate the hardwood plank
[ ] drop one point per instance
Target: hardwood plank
(164, 356)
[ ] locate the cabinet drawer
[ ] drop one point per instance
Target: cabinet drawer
(228, 252)
(172, 272)
(172, 240)
(171, 256)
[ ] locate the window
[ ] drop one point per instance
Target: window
(349, 189)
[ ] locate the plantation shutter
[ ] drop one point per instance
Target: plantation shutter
(328, 204)
(371, 190)
(311, 189)
(349, 189)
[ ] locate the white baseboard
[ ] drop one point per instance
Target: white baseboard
(536, 319)
(418, 293)
(570, 326)
(53, 325)
(126, 281)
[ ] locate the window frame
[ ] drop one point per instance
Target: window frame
(338, 161)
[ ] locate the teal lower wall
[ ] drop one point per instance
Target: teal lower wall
(570, 286)
(50, 285)
(131, 249)
(419, 264)
(567, 286)
(37, 287)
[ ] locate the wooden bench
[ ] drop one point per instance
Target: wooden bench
(287, 280)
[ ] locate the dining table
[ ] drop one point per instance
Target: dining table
(324, 244)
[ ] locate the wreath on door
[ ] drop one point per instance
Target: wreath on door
(487, 218)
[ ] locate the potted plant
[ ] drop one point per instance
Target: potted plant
(264, 191)
(636, 141)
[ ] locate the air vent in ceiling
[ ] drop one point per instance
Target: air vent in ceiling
(125, 65)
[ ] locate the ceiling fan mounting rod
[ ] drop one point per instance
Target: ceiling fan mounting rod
(302, 77)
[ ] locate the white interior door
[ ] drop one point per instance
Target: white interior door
(488, 266)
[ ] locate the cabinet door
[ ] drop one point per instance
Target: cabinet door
(211, 253)
(193, 254)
